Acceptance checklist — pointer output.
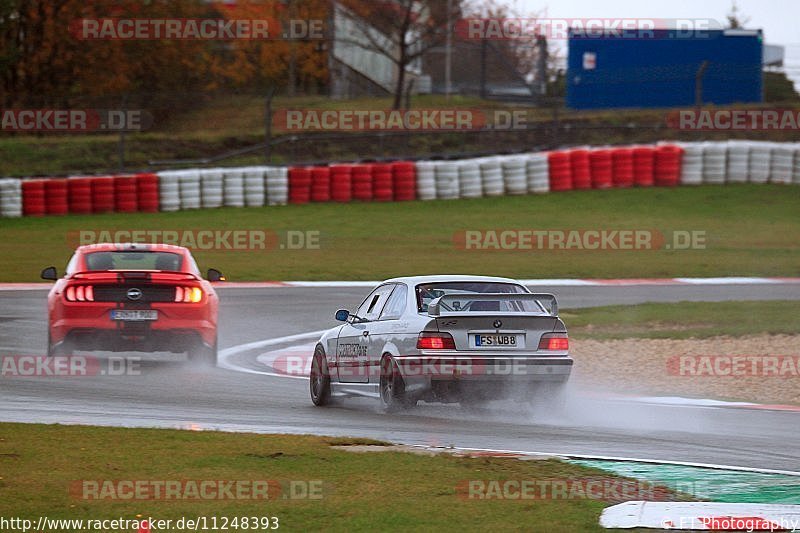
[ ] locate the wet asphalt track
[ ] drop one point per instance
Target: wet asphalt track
(173, 394)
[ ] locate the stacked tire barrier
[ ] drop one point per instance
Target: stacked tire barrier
(426, 180)
(644, 166)
(341, 183)
(469, 178)
(212, 193)
(581, 169)
(320, 184)
(147, 191)
(601, 166)
(404, 181)
(667, 161)
(665, 164)
(560, 170)
(622, 167)
(33, 198)
(254, 188)
(447, 186)
(299, 185)
(103, 194)
(10, 198)
(514, 175)
(79, 195)
(537, 173)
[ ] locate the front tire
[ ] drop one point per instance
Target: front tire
(320, 379)
(392, 387)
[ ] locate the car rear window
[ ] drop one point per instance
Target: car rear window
(98, 261)
(427, 292)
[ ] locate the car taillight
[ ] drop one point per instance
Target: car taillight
(188, 294)
(79, 293)
(554, 342)
(432, 340)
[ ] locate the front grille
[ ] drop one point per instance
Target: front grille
(119, 293)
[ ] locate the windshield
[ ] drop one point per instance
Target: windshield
(98, 261)
(427, 292)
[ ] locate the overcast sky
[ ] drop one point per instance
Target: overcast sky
(778, 18)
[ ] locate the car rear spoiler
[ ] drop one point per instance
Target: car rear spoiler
(123, 276)
(450, 304)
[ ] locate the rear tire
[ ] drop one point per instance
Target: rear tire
(392, 388)
(205, 355)
(320, 379)
(58, 350)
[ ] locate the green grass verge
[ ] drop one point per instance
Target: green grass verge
(216, 124)
(684, 320)
(749, 230)
(360, 491)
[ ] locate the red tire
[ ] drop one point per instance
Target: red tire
(147, 192)
(56, 199)
(102, 194)
(126, 199)
(79, 194)
(33, 204)
(560, 171)
(299, 185)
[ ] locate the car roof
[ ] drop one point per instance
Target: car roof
(440, 278)
(131, 247)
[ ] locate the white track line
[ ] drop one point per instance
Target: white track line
(622, 459)
(224, 355)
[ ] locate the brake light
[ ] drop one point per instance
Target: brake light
(79, 293)
(554, 342)
(188, 294)
(432, 340)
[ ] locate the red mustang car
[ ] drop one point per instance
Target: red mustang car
(133, 297)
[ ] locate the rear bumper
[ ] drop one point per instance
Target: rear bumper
(426, 368)
(177, 329)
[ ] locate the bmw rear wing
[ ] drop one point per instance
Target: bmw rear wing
(493, 304)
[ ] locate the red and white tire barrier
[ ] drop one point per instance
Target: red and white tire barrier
(702, 516)
(664, 164)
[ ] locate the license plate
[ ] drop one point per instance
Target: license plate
(134, 315)
(496, 341)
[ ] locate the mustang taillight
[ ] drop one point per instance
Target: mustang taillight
(433, 340)
(554, 342)
(79, 293)
(188, 294)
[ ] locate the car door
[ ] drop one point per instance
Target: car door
(353, 343)
(390, 328)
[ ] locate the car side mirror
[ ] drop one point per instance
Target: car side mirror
(342, 315)
(214, 275)
(50, 274)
